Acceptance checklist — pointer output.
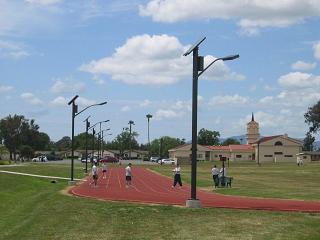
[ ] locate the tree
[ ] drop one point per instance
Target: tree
(167, 143)
(312, 118)
(63, 144)
(11, 128)
(308, 142)
(207, 137)
(26, 151)
(230, 141)
(80, 141)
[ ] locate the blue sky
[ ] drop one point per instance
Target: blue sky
(130, 53)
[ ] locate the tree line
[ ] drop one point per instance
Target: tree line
(22, 136)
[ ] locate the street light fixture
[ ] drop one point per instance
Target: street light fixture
(198, 70)
(87, 128)
(148, 117)
(130, 138)
(98, 137)
(74, 114)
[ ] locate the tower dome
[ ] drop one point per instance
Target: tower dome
(252, 131)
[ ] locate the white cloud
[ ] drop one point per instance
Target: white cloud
(250, 14)
(145, 103)
(31, 98)
(59, 102)
(266, 100)
(43, 2)
(166, 114)
(67, 86)
(4, 88)
(153, 60)
(12, 50)
(84, 102)
(303, 66)
(228, 100)
(316, 48)
(125, 109)
(299, 80)
(269, 88)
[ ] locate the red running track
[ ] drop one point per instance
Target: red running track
(150, 187)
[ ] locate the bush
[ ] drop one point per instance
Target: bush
(4, 162)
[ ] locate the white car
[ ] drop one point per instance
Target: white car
(154, 159)
(40, 159)
(167, 161)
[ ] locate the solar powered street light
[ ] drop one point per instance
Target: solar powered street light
(198, 70)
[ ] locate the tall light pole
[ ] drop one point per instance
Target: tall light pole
(98, 135)
(74, 114)
(87, 128)
(198, 70)
(130, 138)
(148, 117)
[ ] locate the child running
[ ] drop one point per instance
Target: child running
(104, 170)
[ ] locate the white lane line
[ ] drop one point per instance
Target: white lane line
(39, 176)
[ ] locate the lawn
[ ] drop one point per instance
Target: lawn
(33, 208)
(285, 180)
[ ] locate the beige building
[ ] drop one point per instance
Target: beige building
(182, 154)
(279, 148)
(308, 156)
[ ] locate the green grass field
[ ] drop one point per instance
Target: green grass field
(34, 208)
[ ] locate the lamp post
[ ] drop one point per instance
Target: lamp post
(101, 143)
(94, 134)
(74, 114)
(148, 117)
(130, 123)
(87, 128)
(198, 70)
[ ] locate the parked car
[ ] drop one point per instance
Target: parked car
(40, 159)
(154, 159)
(83, 160)
(109, 159)
(167, 161)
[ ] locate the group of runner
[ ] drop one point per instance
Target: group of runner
(128, 174)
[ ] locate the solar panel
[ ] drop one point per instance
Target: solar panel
(194, 46)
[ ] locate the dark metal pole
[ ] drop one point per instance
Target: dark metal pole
(87, 126)
(194, 125)
(93, 134)
(130, 142)
(72, 138)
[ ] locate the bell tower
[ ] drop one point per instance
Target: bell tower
(252, 131)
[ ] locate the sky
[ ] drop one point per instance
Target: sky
(130, 54)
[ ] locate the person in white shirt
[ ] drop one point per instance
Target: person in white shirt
(128, 171)
(95, 176)
(104, 170)
(215, 175)
(177, 176)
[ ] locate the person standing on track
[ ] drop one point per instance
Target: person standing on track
(128, 175)
(104, 170)
(177, 176)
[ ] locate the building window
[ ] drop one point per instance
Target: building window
(216, 155)
(278, 153)
(238, 156)
(278, 143)
(304, 157)
(288, 156)
(199, 156)
(267, 155)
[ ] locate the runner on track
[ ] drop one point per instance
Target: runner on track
(95, 176)
(128, 175)
(104, 170)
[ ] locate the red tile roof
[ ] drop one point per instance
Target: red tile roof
(220, 148)
(265, 139)
(241, 147)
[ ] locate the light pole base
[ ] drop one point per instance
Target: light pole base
(72, 183)
(193, 203)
